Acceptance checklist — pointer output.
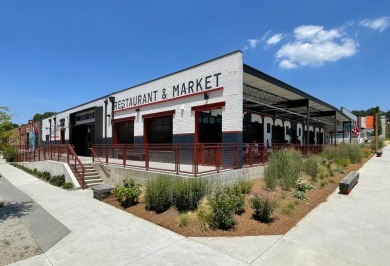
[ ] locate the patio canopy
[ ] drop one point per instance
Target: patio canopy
(265, 95)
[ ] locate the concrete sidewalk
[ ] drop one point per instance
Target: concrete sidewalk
(345, 230)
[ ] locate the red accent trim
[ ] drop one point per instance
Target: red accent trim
(165, 113)
(145, 136)
(120, 120)
(172, 99)
(196, 137)
(208, 106)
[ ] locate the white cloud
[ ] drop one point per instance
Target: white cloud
(274, 39)
(315, 34)
(253, 43)
(313, 46)
(376, 24)
(287, 64)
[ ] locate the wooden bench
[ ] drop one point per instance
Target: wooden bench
(348, 182)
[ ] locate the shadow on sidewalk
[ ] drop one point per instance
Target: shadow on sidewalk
(16, 209)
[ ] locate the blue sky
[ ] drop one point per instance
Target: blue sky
(58, 54)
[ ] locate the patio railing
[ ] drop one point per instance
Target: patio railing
(177, 158)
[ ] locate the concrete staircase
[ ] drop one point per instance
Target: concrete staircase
(91, 176)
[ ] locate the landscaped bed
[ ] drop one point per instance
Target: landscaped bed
(287, 210)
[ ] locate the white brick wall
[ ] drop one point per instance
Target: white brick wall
(230, 78)
(227, 71)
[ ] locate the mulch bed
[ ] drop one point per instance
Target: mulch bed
(246, 225)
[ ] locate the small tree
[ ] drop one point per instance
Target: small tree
(5, 126)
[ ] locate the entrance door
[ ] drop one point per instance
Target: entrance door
(62, 136)
(82, 136)
(209, 129)
(210, 126)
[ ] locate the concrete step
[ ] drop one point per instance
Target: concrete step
(88, 185)
(93, 181)
(92, 177)
(91, 173)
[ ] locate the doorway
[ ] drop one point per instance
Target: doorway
(210, 126)
(82, 136)
(62, 136)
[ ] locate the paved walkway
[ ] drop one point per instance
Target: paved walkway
(345, 230)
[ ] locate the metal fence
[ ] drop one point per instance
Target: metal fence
(59, 152)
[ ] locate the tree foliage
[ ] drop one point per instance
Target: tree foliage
(370, 111)
(5, 125)
(39, 117)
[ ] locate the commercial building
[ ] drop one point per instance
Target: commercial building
(218, 101)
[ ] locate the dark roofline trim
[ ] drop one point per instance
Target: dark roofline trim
(257, 73)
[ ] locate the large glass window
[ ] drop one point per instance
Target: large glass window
(125, 132)
(160, 129)
(252, 132)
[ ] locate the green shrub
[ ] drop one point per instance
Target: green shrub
(283, 169)
(245, 185)
(312, 167)
(381, 144)
(128, 194)
(331, 173)
(159, 194)
(301, 195)
(46, 176)
(340, 170)
(366, 152)
(302, 186)
(187, 193)
(343, 154)
(57, 180)
(342, 161)
(262, 207)
(9, 153)
(67, 185)
(223, 209)
(237, 198)
(355, 153)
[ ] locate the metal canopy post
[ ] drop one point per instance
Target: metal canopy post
(307, 126)
(335, 129)
(350, 132)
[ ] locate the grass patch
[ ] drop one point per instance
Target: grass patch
(312, 167)
(283, 169)
(288, 209)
